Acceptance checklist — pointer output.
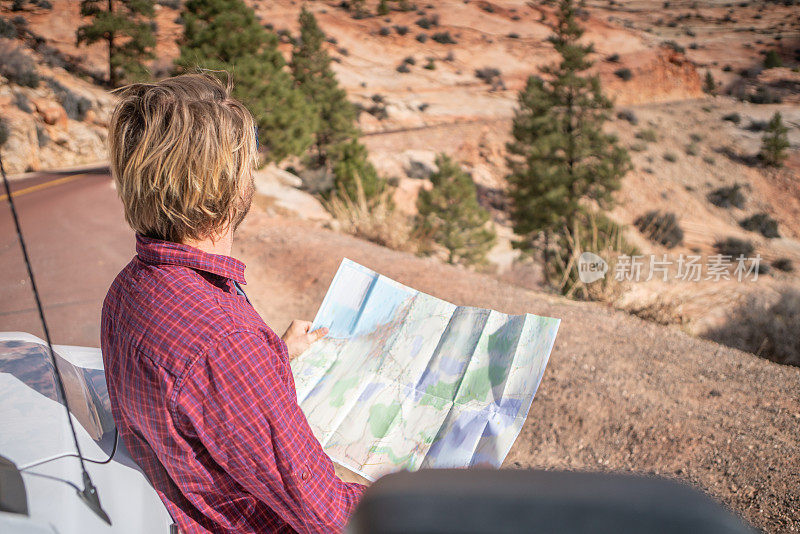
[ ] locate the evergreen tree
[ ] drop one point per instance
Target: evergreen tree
(560, 158)
(774, 142)
(311, 67)
(709, 85)
(351, 166)
(772, 60)
(127, 26)
(450, 214)
(383, 8)
(225, 35)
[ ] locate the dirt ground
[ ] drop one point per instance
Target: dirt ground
(619, 393)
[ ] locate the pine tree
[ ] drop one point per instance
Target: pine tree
(127, 26)
(450, 214)
(383, 8)
(225, 35)
(774, 142)
(709, 85)
(311, 67)
(560, 158)
(352, 165)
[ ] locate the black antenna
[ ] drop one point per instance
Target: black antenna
(89, 493)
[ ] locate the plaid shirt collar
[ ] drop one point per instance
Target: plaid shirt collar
(158, 252)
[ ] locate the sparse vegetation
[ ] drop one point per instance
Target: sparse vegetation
(7, 30)
(376, 221)
(774, 142)
(628, 115)
(624, 74)
(765, 329)
(5, 133)
(783, 264)
(443, 38)
(670, 157)
(762, 223)
(75, 105)
(734, 117)
(648, 135)
(16, 66)
(449, 214)
(734, 247)
(487, 74)
(692, 149)
(660, 228)
(726, 197)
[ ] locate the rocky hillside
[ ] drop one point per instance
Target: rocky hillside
(444, 77)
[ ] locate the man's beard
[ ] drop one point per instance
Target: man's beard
(243, 206)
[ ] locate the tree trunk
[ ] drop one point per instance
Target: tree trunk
(112, 75)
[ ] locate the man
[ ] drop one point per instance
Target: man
(200, 387)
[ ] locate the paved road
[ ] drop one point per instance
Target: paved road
(78, 241)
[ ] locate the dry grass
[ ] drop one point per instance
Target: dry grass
(599, 236)
(375, 220)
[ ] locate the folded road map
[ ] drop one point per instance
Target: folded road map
(405, 380)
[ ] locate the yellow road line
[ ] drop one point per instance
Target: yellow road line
(45, 185)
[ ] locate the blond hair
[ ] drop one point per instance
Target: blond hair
(182, 151)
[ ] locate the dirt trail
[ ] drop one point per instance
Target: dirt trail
(619, 393)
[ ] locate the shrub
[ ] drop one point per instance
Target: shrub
(772, 59)
(41, 136)
(410, 60)
(761, 223)
(76, 106)
(624, 74)
(628, 115)
(589, 232)
(765, 329)
(660, 228)
(7, 30)
(513, 35)
(443, 38)
(670, 157)
(734, 247)
(172, 4)
(4, 132)
(426, 23)
(709, 159)
(783, 264)
(375, 220)
(17, 67)
(22, 103)
(401, 30)
(613, 58)
(764, 95)
(732, 117)
(648, 135)
(692, 149)
(430, 65)
(487, 74)
(639, 147)
(674, 46)
(422, 37)
(696, 138)
(403, 68)
(725, 197)
(384, 31)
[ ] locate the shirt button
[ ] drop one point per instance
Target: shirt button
(304, 475)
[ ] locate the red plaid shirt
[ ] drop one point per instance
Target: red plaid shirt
(203, 395)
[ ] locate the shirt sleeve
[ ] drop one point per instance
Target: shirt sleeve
(248, 419)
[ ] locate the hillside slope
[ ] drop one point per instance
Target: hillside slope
(618, 394)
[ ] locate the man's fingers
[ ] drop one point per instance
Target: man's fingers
(317, 334)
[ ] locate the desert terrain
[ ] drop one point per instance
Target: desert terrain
(631, 384)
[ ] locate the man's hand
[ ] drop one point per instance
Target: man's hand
(298, 337)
